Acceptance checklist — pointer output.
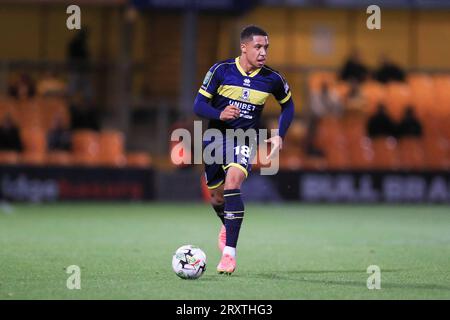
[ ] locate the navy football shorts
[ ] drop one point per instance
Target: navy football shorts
(234, 154)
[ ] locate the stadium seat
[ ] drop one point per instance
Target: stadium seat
(374, 94)
(29, 113)
(315, 163)
(431, 126)
(354, 126)
(445, 126)
(9, 107)
(362, 154)
(139, 159)
(316, 78)
(296, 132)
(436, 142)
(52, 107)
(4, 104)
(437, 153)
(50, 85)
(35, 145)
(337, 157)
(328, 132)
(334, 142)
(59, 158)
(436, 126)
(290, 160)
(359, 146)
(398, 96)
(385, 153)
(422, 93)
(111, 152)
(442, 85)
(341, 88)
(35, 159)
(417, 80)
(85, 147)
(9, 158)
(411, 153)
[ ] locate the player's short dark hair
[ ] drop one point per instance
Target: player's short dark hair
(248, 32)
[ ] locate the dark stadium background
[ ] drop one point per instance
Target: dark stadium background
(122, 84)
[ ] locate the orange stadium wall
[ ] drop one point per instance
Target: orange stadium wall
(323, 38)
(37, 33)
(299, 37)
(411, 38)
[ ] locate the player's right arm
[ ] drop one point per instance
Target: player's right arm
(203, 108)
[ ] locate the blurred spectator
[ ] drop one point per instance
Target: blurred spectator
(78, 58)
(322, 103)
(23, 87)
(355, 102)
(325, 102)
(409, 126)
(388, 71)
(77, 49)
(59, 138)
(9, 135)
(380, 124)
(49, 84)
(354, 69)
(82, 114)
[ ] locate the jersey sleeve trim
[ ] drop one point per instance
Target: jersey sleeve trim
(205, 93)
(285, 99)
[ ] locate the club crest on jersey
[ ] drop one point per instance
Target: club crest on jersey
(246, 94)
(247, 82)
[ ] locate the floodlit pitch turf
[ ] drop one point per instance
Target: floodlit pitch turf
(285, 252)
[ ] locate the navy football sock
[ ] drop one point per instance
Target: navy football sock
(234, 214)
(219, 208)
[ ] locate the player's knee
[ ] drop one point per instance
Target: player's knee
(217, 198)
(234, 178)
(233, 183)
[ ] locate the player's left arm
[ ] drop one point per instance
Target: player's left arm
(283, 94)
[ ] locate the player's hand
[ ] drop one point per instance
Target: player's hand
(277, 144)
(230, 113)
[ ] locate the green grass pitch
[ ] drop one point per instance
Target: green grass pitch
(286, 251)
